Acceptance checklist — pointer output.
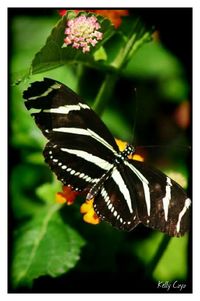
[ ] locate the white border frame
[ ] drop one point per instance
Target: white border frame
(195, 4)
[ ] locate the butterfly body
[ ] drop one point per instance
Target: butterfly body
(83, 154)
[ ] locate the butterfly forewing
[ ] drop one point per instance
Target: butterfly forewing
(60, 110)
(80, 146)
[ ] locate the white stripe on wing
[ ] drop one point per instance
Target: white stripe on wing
(86, 132)
(66, 109)
(181, 214)
(122, 187)
(167, 198)
(103, 164)
(145, 184)
(56, 86)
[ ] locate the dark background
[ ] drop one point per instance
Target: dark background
(176, 34)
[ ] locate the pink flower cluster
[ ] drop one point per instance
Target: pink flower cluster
(82, 32)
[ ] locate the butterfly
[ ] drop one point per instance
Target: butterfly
(83, 154)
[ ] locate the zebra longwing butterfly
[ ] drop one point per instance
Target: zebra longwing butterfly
(83, 154)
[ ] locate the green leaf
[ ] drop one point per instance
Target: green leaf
(24, 132)
(52, 55)
(24, 178)
(100, 54)
(35, 158)
(24, 47)
(132, 35)
(47, 191)
(155, 62)
(173, 263)
(117, 124)
(44, 246)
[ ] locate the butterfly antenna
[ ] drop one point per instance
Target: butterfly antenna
(183, 147)
(135, 117)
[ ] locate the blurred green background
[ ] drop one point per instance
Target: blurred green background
(158, 113)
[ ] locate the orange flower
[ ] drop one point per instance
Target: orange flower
(114, 15)
(182, 114)
(89, 215)
(67, 196)
(137, 157)
(62, 12)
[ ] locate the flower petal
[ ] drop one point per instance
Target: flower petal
(67, 196)
(89, 215)
(82, 32)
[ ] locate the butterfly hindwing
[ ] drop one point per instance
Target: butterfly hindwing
(136, 193)
(114, 204)
(162, 203)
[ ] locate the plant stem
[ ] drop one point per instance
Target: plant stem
(104, 93)
(138, 36)
(158, 255)
(120, 60)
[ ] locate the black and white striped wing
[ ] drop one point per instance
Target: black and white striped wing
(80, 147)
(115, 201)
(136, 193)
(162, 203)
(83, 154)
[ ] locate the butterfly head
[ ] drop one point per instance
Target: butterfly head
(129, 150)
